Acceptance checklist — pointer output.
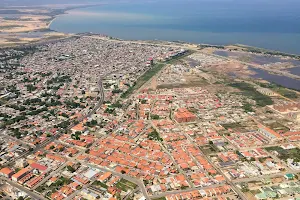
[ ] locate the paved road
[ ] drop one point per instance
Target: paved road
(173, 160)
(240, 193)
(133, 180)
(33, 195)
(50, 175)
(4, 133)
(259, 178)
(185, 190)
(53, 138)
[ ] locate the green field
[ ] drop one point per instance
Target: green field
(286, 92)
(249, 91)
(149, 74)
(161, 198)
(125, 185)
(285, 154)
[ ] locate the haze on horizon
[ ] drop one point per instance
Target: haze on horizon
(6, 3)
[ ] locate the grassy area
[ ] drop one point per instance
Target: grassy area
(99, 183)
(161, 198)
(249, 91)
(149, 74)
(125, 185)
(286, 153)
(278, 127)
(288, 93)
(247, 107)
(232, 125)
(143, 79)
(154, 135)
(207, 149)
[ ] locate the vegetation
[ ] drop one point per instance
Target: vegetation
(148, 75)
(62, 181)
(286, 92)
(99, 183)
(92, 123)
(70, 169)
(202, 46)
(154, 116)
(268, 52)
(285, 154)
(250, 92)
(248, 107)
(30, 87)
(76, 135)
(116, 105)
(125, 185)
(231, 125)
(161, 198)
(59, 79)
(154, 135)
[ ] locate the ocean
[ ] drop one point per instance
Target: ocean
(270, 24)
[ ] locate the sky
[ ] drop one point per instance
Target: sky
(46, 2)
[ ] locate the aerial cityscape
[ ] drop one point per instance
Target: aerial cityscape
(86, 116)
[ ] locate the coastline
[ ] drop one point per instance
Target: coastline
(66, 10)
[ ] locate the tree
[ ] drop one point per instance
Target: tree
(70, 169)
(155, 117)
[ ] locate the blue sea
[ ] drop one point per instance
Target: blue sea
(271, 24)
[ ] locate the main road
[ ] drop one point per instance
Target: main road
(33, 195)
(53, 138)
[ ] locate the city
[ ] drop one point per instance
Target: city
(94, 117)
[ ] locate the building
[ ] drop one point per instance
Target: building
(269, 133)
(267, 92)
(105, 176)
(183, 115)
(21, 163)
(20, 174)
(150, 62)
(6, 172)
(78, 128)
(39, 167)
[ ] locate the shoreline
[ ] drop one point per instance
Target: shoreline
(64, 11)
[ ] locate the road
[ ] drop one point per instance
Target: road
(173, 160)
(48, 141)
(133, 180)
(233, 186)
(50, 175)
(77, 191)
(184, 190)
(259, 178)
(33, 195)
(4, 133)
(55, 137)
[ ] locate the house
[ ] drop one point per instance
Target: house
(20, 174)
(6, 172)
(269, 133)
